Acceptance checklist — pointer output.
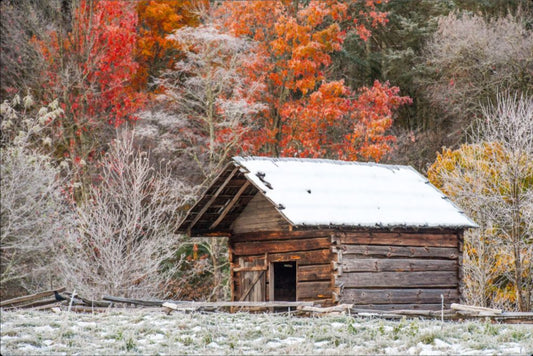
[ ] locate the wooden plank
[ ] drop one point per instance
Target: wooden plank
(249, 269)
(278, 235)
(475, 309)
(314, 272)
(398, 279)
(399, 239)
(258, 247)
(29, 298)
(211, 200)
(396, 265)
(280, 304)
(401, 251)
(314, 290)
(133, 301)
(360, 307)
(340, 308)
(271, 282)
(32, 304)
(397, 296)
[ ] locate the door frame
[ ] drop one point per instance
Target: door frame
(271, 278)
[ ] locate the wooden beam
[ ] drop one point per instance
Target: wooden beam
(250, 269)
(206, 206)
(230, 205)
(258, 247)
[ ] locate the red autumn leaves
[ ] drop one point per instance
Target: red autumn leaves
(113, 50)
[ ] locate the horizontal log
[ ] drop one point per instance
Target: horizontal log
(314, 290)
(33, 303)
(314, 272)
(250, 269)
(379, 307)
(401, 251)
(133, 301)
(355, 264)
(398, 279)
(29, 298)
(278, 235)
(399, 239)
(303, 257)
(261, 247)
(398, 296)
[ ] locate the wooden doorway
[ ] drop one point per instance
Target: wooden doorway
(283, 274)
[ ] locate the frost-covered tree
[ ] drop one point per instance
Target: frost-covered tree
(470, 59)
(34, 215)
(492, 179)
(125, 235)
(209, 105)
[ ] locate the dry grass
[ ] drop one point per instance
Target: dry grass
(153, 332)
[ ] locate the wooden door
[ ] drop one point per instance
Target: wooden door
(252, 280)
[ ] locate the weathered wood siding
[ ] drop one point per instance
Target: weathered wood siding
(397, 270)
(259, 215)
(311, 250)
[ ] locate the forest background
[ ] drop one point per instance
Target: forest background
(115, 114)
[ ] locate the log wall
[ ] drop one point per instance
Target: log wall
(311, 250)
(397, 270)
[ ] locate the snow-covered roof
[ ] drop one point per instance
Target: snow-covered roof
(319, 192)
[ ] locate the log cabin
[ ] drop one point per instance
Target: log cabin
(378, 236)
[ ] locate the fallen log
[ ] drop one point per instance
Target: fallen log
(95, 303)
(149, 303)
(471, 309)
(29, 298)
(33, 304)
(341, 308)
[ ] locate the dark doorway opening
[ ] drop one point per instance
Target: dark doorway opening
(285, 281)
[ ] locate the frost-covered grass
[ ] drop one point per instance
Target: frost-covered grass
(153, 332)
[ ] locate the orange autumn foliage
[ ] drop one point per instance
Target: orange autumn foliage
(336, 122)
(157, 20)
(308, 115)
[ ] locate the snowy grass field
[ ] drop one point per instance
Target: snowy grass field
(153, 332)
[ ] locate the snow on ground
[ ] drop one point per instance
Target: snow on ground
(153, 332)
